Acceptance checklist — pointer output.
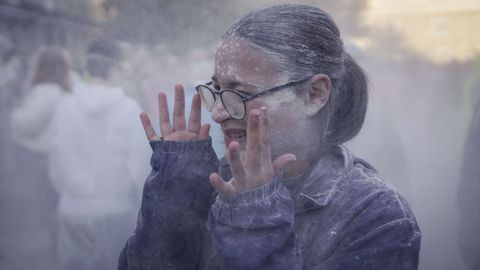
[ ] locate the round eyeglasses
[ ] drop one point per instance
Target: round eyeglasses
(234, 101)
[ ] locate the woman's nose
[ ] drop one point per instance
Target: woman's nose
(219, 114)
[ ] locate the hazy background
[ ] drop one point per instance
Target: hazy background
(421, 57)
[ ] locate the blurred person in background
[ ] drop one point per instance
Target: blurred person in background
(289, 194)
(50, 85)
(30, 125)
(469, 193)
(98, 163)
(10, 65)
(11, 78)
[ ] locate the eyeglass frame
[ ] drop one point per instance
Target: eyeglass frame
(245, 97)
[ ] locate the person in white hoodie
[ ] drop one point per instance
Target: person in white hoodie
(98, 163)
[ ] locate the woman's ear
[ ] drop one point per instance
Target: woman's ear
(318, 94)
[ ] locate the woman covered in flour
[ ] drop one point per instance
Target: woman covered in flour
(287, 195)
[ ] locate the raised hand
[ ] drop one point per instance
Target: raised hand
(254, 167)
(179, 130)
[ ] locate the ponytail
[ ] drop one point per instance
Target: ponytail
(350, 104)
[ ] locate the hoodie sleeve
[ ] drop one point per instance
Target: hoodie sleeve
(175, 203)
(254, 230)
(35, 112)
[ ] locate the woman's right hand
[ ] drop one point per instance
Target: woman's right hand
(179, 131)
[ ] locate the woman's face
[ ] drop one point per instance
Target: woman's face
(247, 69)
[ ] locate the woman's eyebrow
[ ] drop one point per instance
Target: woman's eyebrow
(232, 84)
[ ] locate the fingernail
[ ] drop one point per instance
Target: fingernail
(263, 110)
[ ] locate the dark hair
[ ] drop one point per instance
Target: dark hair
(53, 66)
(102, 56)
(305, 41)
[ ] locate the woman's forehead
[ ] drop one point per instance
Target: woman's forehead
(237, 60)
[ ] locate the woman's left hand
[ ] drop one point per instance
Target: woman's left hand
(253, 167)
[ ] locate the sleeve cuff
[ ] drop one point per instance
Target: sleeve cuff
(183, 146)
(258, 208)
(256, 194)
(169, 152)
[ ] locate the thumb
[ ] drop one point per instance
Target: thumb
(147, 127)
(280, 162)
(220, 185)
(204, 132)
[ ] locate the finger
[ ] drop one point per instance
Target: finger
(236, 165)
(282, 161)
(165, 126)
(194, 122)
(204, 132)
(179, 109)
(252, 148)
(264, 137)
(220, 185)
(147, 126)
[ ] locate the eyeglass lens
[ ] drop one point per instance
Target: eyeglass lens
(232, 102)
(207, 97)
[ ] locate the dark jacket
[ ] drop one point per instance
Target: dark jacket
(338, 215)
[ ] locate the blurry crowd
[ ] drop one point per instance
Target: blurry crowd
(81, 151)
(74, 155)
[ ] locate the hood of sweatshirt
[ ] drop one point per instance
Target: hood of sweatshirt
(95, 99)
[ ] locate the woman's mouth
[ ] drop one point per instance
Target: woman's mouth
(231, 135)
(238, 135)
